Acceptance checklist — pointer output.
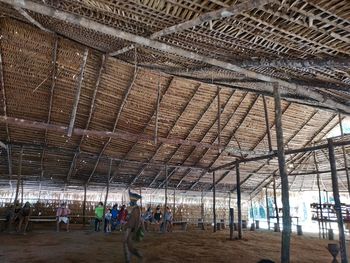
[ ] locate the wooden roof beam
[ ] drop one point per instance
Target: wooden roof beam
(228, 142)
(212, 126)
(188, 136)
(31, 19)
(145, 127)
(308, 142)
(206, 17)
(125, 98)
(286, 143)
(169, 133)
(53, 83)
(92, 25)
(77, 94)
(92, 107)
(298, 63)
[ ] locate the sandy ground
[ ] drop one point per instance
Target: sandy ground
(191, 246)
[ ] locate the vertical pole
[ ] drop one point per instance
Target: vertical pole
(267, 209)
(239, 207)
(267, 123)
(22, 192)
(166, 197)
(141, 199)
(202, 206)
(214, 201)
(285, 251)
(84, 206)
(107, 190)
(219, 119)
(174, 202)
(337, 205)
(319, 206)
(275, 202)
(18, 178)
(344, 154)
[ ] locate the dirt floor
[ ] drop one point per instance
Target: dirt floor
(191, 246)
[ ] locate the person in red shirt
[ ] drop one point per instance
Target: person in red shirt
(122, 216)
(62, 216)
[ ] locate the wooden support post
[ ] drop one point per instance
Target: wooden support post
(77, 94)
(267, 209)
(107, 190)
(337, 204)
(285, 251)
(22, 192)
(84, 206)
(141, 199)
(18, 179)
(202, 206)
(174, 202)
(319, 206)
(165, 198)
(214, 203)
(344, 154)
(219, 119)
(267, 123)
(239, 202)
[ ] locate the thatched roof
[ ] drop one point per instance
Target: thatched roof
(95, 70)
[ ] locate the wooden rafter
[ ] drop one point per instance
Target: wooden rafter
(98, 27)
(139, 173)
(92, 107)
(32, 20)
(232, 136)
(207, 132)
(262, 185)
(145, 127)
(296, 132)
(125, 98)
(52, 89)
(77, 94)
(188, 136)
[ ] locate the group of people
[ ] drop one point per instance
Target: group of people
(19, 216)
(165, 222)
(113, 217)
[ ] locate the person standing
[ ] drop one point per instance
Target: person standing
(168, 218)
(108, 221)
(62, 215)
(23, 216)
(98, 216)
(133, 229)
(114, 219)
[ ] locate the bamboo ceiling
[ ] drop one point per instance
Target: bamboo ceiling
(70, 73)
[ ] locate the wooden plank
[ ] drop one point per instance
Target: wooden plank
(337, 203)
(92, 25)
(77, 94)
(286, 232)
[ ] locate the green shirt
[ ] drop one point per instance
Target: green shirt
(99, 212)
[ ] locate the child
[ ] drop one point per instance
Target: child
(108, 220)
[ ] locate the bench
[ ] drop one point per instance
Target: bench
(183, 224)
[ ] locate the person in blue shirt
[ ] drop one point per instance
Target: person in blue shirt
(114, 220)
